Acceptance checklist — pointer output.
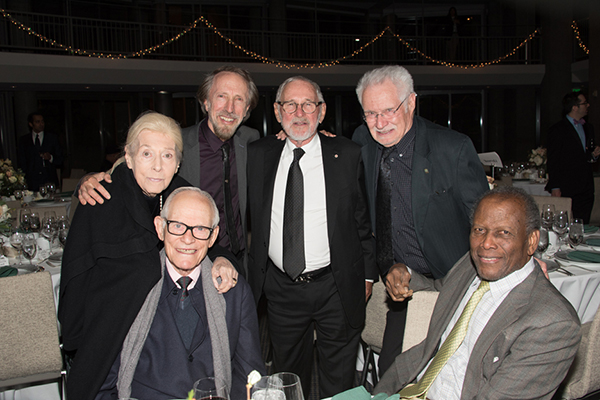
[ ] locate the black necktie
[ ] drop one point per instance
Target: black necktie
(38, 144)
(383, 218)
(293, 219)
(229, 216)
(186, 316)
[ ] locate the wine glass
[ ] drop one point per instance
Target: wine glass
(43, 191)
(25, 219)
(560, 225)
(51, 189)
(18, 194)
(34, 222)
(547, 215)
(48, 228)
(29, 249)
(207, 388)
(286, 383)
(576, 232)
(16, 241)
(543, 243)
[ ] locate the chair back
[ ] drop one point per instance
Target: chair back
(418, 316)
(29, 346)
(560, 203)
(583, 376)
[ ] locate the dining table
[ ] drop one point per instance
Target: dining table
(532, 187)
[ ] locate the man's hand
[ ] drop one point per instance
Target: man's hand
(90, 189)
(224, 270)
(368, 290)
(397, 282)
(543, 266)
(281, 135)
(46, 156)
(596, 152)
(556, 193)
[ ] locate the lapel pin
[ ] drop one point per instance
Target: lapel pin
(335, 156)
(426, 170)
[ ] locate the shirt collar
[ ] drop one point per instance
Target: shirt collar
(41, 134)
(576, 122)
(500, 288)
(195, 274)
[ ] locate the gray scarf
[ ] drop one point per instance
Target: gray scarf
(217, 326)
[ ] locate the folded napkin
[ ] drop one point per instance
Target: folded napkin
(360, 393)
(586, 256)
(8, 271)
(590, 229)
(592, 242)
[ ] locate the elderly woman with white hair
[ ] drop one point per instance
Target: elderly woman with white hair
(111, 259)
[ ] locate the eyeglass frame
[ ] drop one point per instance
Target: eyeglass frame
(188, 228)
(283, 103)
(375, 115)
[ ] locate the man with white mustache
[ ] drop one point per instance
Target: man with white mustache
(314, 273)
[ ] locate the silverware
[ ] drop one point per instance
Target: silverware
(575, 265)
(562, 270)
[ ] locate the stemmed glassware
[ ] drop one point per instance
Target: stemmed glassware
(16, 241)
(63, 230)
(49, 228)
(547, 216)
(561, 225)
(51, 189)
(544, 241)
(30, 249)
(25, 219)
(284, 386)
(43, 191)
(18, 194)
(207, 388)
(576, 232)
(34, 222)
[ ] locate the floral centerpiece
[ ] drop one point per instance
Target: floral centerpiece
(5, 222)
(538, 157)
(11, 179)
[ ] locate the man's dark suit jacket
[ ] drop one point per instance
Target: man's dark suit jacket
(350, 241)
(524, 351)
(178, 368)
(447, 179)
(38, 172)
(568, 168)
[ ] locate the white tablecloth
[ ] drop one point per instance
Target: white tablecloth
(535, 189)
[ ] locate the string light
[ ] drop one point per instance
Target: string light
(271, 61)
(578, 37)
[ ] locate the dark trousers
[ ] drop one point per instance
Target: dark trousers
(295, 310)
(393, 334)
(582, 204)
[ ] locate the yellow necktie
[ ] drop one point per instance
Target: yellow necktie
(452, 342)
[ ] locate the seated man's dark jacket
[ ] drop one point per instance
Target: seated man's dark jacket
(167, 370)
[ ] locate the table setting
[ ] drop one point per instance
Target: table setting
(571, 251)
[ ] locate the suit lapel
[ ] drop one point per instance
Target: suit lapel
(271, 161)
(332, 169)
(421, 181)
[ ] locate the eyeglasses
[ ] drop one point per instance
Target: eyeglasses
(308, 107)
(179, 229)
(371, 116)
(585, 103)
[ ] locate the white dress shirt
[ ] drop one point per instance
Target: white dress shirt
(41, 136)
(316, 239)
(195, 274)
(449, 382)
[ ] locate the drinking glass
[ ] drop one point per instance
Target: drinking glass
(547, 215)
(25, 220)
(560, 225)
(18, 194)
(576, 232)
(43, 191)
(543, 243)
(16, 241)
(51, 189)
(48, 228)
(286, 383)
(34, 222)
(206, 388)
(29, 249)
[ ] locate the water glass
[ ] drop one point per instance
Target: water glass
(207, 388)
(576, 232)
(284, 386)
(561, 225)
(16, 241)
(34, 222)
(30, 249)
(544, 241)
(547, 216)
(25, 220)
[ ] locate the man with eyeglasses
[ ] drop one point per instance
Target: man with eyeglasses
(191, 329)
(571, 153)
(311, 251)
(422, 180)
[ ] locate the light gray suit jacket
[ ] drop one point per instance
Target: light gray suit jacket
(524, 352)
(190, 166)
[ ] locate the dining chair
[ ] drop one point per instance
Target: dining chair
(560, 203)
(29, 341)
(584, 375)
(418, 315)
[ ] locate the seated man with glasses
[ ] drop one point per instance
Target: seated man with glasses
(186, 330)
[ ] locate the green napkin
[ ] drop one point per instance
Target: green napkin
(592, 242)
(360, 393)
(586, 256)
(590, 229)
(8, 271)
